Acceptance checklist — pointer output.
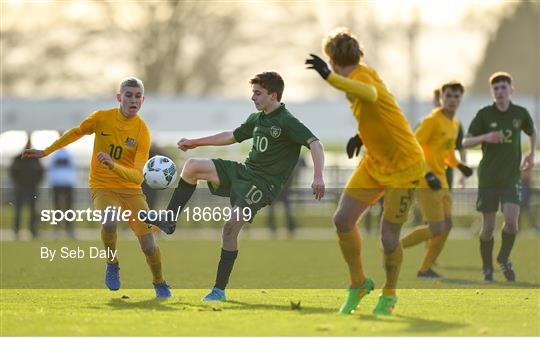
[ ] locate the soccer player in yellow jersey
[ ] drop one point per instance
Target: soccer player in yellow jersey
(393, 166)
(437, 135)
(121, 146)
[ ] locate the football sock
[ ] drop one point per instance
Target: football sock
(506, 246)
(225, 266)
(441, 244)
(432, 251)
(109, 240)
(486, 251)
(350, 244)
(181, 195)
(392, 264)
(154, 262)
(418, 235)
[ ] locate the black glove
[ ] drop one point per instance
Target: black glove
(319, 65)
(354, 145)
(466, 171)
(432, 180)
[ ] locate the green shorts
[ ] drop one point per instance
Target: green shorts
(491, 199)
(236, 183)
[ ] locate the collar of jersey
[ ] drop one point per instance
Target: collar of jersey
(122, 118)
(275, 112)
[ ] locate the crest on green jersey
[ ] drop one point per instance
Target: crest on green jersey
(275, 131)
(516, 123)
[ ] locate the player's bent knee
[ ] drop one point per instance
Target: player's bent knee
(109, 226)
(436, 228)
(342, 222)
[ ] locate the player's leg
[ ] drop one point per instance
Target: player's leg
(397, 203)
(105, 201)
(431, 207)
(194, 169)
(229, 253)
(360, 192)
(508, 235)
(147, 241)
(153, 259)
(487, 203)
(437, 213)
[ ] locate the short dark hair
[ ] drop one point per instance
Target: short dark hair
(271, 81)
(453, 85)
(500, 77)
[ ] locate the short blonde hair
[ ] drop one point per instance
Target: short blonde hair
(131, 82)
(342, 47)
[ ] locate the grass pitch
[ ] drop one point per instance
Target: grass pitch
(67, 297)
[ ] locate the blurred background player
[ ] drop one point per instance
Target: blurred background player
(393, 166)
(497, 128)
(62, 178)
(121, 147)
(26, 177)
(437, 135)
(277, 139)
(526, 209)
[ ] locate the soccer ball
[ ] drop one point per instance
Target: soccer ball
(160, 172)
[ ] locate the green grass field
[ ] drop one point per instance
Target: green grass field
(66, 297)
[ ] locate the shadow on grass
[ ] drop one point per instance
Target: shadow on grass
(417, 325)
(148, 304)
(280, 307)
(490, 285)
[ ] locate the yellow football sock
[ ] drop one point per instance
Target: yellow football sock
(109, 240)
(154, 262)
(392, 264)
(441, 244)
(432, 252)
(418, 235)
(350, 244)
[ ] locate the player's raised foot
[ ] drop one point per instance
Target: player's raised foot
(507, 270)
(112, 276)
(162, 290)
(385, 306)
(166, 226)
(428, 274)
(215, 295)
(488, 275)
(355, 295)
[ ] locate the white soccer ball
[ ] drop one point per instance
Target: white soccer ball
(160, 172)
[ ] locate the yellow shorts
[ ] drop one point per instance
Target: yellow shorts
(435, 205)
(134, 202)
(398, 190)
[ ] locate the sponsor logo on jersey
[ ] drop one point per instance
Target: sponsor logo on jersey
(516, 123)
(130, 142)
(275, 131)
(493, 125)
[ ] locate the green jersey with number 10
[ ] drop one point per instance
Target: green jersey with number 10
(277, 139)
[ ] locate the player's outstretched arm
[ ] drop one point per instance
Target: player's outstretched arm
(317, 154)
(491, 137)
(221, 139)
(364, 91)
(70, 136)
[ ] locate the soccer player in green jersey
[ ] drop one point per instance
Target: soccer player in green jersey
(498, 128)
(277, 139)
